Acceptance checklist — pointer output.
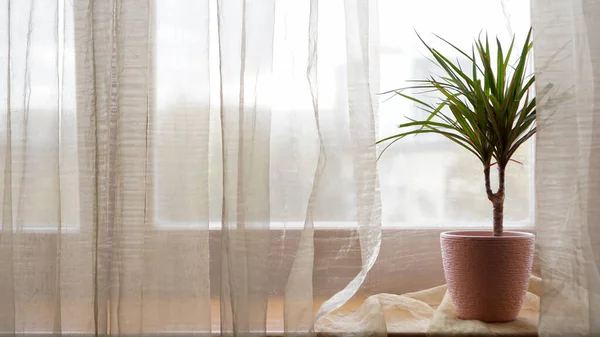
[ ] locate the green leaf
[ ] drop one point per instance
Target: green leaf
(500, 72)
(488, 110)
(414, 99)
(455, 138)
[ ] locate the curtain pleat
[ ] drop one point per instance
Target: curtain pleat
(567, 59)
(7, 286)
(35, 169)
(95, 115)
(245, 39)
(362, 77)
(298, 299)
(356, 120)
(129, 299)
(177, 255)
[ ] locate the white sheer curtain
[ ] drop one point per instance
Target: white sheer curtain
(177, 166)
(161, 159)
(567, 56)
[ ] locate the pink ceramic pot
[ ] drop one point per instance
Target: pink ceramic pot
(487, 275)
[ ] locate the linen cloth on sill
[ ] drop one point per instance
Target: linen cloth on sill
(426, 311)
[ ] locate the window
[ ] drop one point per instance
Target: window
(426, 181)
(42, 88)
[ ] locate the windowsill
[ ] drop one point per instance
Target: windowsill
(275, 318)
(408, 254)
(525, 225)
(409, 260)
(161, 225)
(274, 323)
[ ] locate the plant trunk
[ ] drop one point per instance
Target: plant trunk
(498, 216)
(497, 198)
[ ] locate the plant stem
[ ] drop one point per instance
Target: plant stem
(497, 198)
(498, 216)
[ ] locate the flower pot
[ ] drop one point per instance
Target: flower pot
(487, 275)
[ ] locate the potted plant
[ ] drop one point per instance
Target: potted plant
(487, 109)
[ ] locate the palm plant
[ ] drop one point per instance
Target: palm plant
(487, 109)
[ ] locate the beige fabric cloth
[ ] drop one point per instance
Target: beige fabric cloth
(426, 311)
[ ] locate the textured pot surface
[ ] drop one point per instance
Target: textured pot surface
(487, 275)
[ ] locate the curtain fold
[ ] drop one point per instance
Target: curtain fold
(245, 39)
(567, 58)
(355, 119)
(298, 310)
(362, 77)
